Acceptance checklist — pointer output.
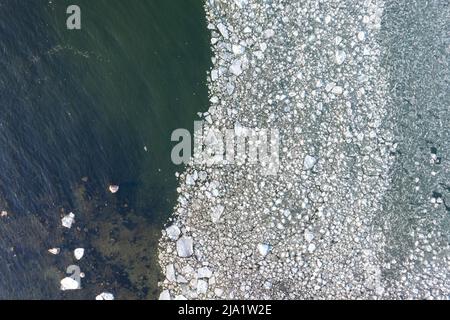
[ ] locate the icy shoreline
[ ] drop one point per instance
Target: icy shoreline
(312, 70)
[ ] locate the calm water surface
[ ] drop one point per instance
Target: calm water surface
(77, 111)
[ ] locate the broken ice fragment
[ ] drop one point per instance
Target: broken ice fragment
(69, 283)
(202, 287)
(309, 236)
(54, 251)
(113, 188)
(340, 57)
(68, 220)
(170, 273)
(165, 295)
(269, 33)
(204, 273)
(236, 67)
(361, 36)
(78, 253)
(263, 249)
(309, 162)
(237, 49)
(173, 232)
(223, 30)
(105, 296)
(185, 247)
(216, 213)
(337, 90)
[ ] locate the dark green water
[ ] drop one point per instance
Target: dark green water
(79, 104)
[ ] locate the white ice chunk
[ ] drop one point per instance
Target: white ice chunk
(263, 249)
(173, 232)
(340, 57)
(69, 283)
(216, 213)
(309, 162)
(78, 253)
(202, 287)
(204, 273)
(185, 247)
(223, 30)
(165, 295)
(105, 296)
(54, 251)
(68, 220)
(236, 67)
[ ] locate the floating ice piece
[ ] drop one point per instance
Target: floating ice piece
(263, 46)
(237, 49)
(78, 253)
(204, 273)
(185, 247)
(216, 213)
(69, 284)
(165, 295)
(173, 232)
(105, 296)
(309, 236)
(259, 54)
(236, 67)
(263, 249)
(54, 251)
(68, 220)
(269, 33)
(202, 287)
(223, 30)
(218, 292)
(340, 57)
(361, 36)
(309, 162)
(338, 90)
(214, 75)
(113, 188)
(180, 297)
(241, 3)
(214, 99)
(4, 214)
(170, 273)
(329, 86)
(190, 180)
